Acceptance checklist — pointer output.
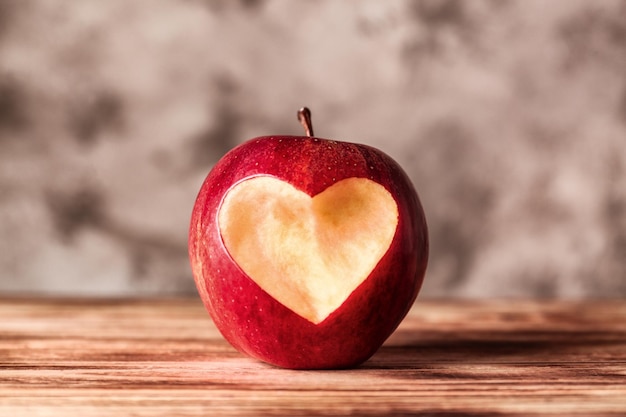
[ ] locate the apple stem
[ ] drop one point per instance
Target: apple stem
(304, 116)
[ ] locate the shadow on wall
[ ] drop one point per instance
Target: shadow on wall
(509, 116)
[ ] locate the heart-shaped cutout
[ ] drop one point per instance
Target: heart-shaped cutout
(309, 253)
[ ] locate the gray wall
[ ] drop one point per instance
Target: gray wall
(509, 116)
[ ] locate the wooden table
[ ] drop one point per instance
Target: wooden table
(165, 358)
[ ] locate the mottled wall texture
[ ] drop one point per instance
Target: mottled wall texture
(509, 116)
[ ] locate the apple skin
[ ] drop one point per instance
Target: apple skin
(253, 321)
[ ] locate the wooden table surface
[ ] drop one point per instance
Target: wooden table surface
(164, 358)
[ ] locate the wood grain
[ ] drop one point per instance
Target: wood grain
(163, 357)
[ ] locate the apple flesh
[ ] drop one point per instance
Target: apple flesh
(307, 252)
(296, 247)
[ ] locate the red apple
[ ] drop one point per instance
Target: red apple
(307, 252)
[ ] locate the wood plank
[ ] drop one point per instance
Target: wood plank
(165, 358)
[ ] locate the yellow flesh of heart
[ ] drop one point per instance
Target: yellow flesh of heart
(308, 253)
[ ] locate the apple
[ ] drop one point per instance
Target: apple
(307, 252)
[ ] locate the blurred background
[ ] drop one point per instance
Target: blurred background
(509, 116)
